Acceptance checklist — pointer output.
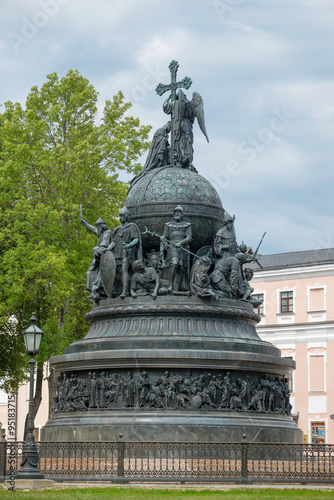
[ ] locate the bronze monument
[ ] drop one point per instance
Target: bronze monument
(172, 353)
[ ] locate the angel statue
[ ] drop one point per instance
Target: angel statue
(183, 114)
(179, 151)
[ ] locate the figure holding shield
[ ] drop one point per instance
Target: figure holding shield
(126, 246)
(93, 276)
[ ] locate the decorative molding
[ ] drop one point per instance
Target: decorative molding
(172, 309)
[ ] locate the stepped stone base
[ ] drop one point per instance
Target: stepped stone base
(173, 426)
(194, 339)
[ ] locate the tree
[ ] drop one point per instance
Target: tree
(54, 157)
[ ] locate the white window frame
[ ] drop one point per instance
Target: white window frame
(286, 317)
(313, 354)
(257, 292)
(286, 289)
(316, 287)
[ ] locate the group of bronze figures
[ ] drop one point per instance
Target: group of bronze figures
(171, 390)
(119, 269)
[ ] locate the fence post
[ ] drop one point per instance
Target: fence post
(244, 460)
(120, 461)
(3, 459)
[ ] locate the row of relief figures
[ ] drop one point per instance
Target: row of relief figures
(180, 391)
(119, 269)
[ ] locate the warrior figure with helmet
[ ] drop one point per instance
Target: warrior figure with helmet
(126, 246)
(105, 237)
(176, 238)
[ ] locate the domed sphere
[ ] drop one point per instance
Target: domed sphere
(151, 201)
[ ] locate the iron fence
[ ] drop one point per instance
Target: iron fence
(182, 462)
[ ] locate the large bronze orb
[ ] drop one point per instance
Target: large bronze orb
(152, 199)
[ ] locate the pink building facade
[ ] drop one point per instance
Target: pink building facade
(297, 316)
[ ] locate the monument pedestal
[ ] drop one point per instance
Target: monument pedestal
(174, 369)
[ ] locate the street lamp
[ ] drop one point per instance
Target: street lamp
(30, 456)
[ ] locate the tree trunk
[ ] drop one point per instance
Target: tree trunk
(37, 398)
(60, 318)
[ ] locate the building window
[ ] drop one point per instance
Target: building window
(318, 435)
(260, 308)
(286, 302)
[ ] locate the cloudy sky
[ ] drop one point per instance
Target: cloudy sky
(263, 67)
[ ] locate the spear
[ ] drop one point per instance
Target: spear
(260, 243)
(256, 251)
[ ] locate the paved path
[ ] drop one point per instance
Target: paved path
(195, 486)
(189, 486)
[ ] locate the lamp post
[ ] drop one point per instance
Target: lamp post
(30, 456)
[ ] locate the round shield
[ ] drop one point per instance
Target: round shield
(196, 402)
(108, 271)
(205, 251)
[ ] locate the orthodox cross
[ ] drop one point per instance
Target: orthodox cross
(173, 85)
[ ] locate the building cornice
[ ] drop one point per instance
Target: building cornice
(293, 273)
(321, 325)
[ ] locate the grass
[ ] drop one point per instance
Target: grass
(131, 493)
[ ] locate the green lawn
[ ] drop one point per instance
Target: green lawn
(169, 494)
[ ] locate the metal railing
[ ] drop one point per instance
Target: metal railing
(182, 462)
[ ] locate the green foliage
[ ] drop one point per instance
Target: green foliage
(54, 156)
(12, 356)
